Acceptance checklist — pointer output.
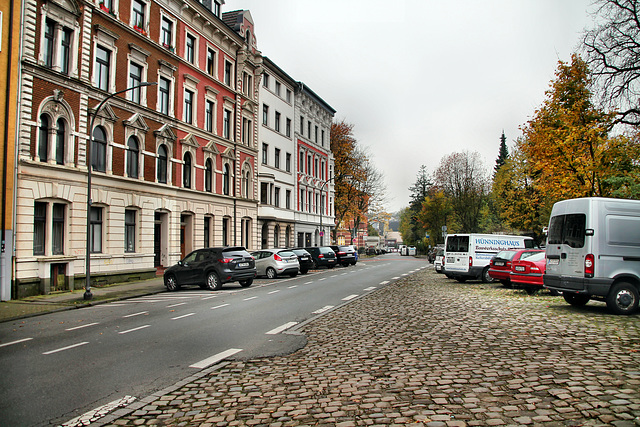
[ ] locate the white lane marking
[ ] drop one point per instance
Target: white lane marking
(350, 297)
(81, 326)
(274, 292)
(95, 414)
(294, 286)
(331, 277)
(394, 278)
(215, 358)
(206, 298)
(404, 274)
(15, 342)
(175, 305)
(69, 347)
(182, 317)
(308, 283)
(384, 282)
(136, 314)
(324, 278)
(323, 309)
(134, 329)
(219, 306)
(370, 288)
(281, 328)
(344, 274)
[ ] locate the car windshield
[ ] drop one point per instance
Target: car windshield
(234, 253)
(326, 250)
(507, 255)
(538, 256)
(527, 255)
(345, 248)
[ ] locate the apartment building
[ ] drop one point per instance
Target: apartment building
(173, 165)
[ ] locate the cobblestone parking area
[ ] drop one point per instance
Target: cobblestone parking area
(429, 351)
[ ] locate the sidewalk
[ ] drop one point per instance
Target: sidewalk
(33, 306)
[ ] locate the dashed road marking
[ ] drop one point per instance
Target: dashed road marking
(15, 342)
(323, 309)
(350, 297)
(137, 314)
(281, 328)
(69, 347)
(81, 326)
(250, 298)
(219, 306)
(183, 316)
(215, 358)
(134, 329)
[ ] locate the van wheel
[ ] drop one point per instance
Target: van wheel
(486, 278)
(623, 298)
(576, 300)
(531, 290)
(213, 282)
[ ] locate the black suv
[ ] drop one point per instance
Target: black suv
(304, 258)
(210, 268)
(346, 255)
(323, 256)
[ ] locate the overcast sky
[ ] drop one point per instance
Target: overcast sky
(421, 79)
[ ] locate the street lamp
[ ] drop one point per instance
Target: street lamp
(322, 207)
(87, 286)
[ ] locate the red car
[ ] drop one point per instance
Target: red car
(500, 265)
(527, 273)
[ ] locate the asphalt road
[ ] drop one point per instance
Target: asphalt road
(60, 365)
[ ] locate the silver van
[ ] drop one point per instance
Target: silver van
(593, 252)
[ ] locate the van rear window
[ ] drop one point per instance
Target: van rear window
(567, 230)
(457, 244)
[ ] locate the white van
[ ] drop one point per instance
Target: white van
(593, 252)
(467, 256)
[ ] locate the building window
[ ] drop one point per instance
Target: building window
(246, 130)
(57, 229)
(309, 171)
(99, 150)
(322, 140)
(162, 164)
(278, 88)
(216, 8)
(65, 51)
(301, 162)
(247, 184)
(163, 98)
(265, 80)
(129, 230)
(287, 199)
(211, 61)
(60, 138)
(95, 225)
(39, 227)
(135, 78)
(208, 115)
(264, 193)
(132, 157)
(316, 134)
(309, 129)
(43, 138)
(276, 158)
(265, 154)
(288, 96)
(315, 168)
(288, 127)
(226, 124)
(188, 106)
(227, 73)
(276, 197)
(138, 15)
(103, 64)
(265, 114)
(302, 125)
(190, 51)
(287, 163)
(277, 123)
(207, 232)
(186, 171)
(49, 32)
(166, 33)
(226, 180)
(225, 231)
(208, 176)
(247, 84)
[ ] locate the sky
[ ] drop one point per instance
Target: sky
(422, 79)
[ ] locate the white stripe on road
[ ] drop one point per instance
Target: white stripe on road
(394, 278)
(182, 317)
(206, 298)
(281, 328)
(95, 414)
(350, 297)
(175, 305)
(384, 283)
(216, 358)
(294, 286)
(370, 288)
(219, 306)
(136, 314)
(80, 327)
(15, 342)
(134, 329)
(249, 299)
(66, 348)
(324, 278)
(308, 283)
(274, 292)
(323, 309)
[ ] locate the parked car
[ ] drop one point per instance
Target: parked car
(438, 260)
(527, 273)
(210, 268)
(346, 255)
(304, 258)
(276, 262)
(323, 256)
(500, 265)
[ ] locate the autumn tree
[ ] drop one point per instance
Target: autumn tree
(435, 213)
(463, 179)
(613, 53)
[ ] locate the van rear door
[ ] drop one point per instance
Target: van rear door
(457, 253)
(567, 247)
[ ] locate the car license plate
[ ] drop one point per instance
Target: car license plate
(519, 268)
(450, 259)
(554, 261)
(499, 263)
(243, 264)
(304, 258)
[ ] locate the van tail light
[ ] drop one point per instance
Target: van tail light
(589, 265)
(277, 257)
(470, 261)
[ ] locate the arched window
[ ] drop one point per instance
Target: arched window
(247, 182)
(132, 157)
(208, 176)
(162, 164)
(60, 137)
(276, 237)
(43, 138)
(186, 171)
(99, 149)
(226, 178)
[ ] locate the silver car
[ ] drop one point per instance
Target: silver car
(276, 262)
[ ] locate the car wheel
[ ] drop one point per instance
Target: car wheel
(171, 283)
(271, 273)
(294, 274)
(246, 283)
(506, 284)
(213, 282)
(305, 271)
(331, 266)
(486, 278)
(576, 300)
(530, 290)
(354, 262)
(623, 298)
(345, 264)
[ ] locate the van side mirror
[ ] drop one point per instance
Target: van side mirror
(588, 232)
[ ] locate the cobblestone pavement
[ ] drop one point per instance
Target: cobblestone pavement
(428, 351)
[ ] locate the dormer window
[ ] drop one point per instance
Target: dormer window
(216, 8)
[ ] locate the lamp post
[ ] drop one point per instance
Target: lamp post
(87, 286)
(322, 208)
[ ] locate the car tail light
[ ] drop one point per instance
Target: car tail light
(589, 265)
(320, 256)
(277, 257)
(341, 253)
(226, 260)
(470, 261)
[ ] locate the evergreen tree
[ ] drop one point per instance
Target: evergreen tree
(503, 154)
